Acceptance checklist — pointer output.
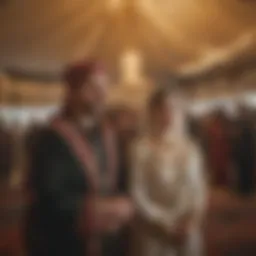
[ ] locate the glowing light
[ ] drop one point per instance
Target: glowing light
(115, 5)
(131, 67)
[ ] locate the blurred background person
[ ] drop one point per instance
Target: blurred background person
(219, 150)
(244, 152)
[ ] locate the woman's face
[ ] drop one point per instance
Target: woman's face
(162, 114)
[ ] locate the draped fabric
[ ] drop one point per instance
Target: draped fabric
(167, 184)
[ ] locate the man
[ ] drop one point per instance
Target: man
(76, 210)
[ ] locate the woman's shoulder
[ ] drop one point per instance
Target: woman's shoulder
(190, 147)
(141, 141)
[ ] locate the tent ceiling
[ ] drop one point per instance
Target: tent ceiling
(184, 36)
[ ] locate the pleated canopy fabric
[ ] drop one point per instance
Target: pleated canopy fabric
(182, 36)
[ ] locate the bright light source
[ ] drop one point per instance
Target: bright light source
(131, 67)
(115, 5)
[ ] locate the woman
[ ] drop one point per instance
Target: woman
(167, 185)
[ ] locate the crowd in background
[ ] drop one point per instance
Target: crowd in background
(227, 143)
(7, 145)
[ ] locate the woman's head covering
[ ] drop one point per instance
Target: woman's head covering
(178, 126)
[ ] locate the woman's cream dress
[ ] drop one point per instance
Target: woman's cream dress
(167, 183)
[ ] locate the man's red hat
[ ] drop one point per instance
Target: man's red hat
(77, 74)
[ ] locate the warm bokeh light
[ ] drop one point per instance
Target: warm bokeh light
(187, 36)
(131, 68)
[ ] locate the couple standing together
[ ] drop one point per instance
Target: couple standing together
(77, 207)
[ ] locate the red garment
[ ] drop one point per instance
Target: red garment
(219, 154)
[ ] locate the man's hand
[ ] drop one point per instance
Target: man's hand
(120, 212)
(124, 209)
(102, 215)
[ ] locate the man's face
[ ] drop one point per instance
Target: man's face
(92, 96)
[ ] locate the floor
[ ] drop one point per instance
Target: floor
(230, 228)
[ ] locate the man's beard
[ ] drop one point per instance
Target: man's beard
(93, 110)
